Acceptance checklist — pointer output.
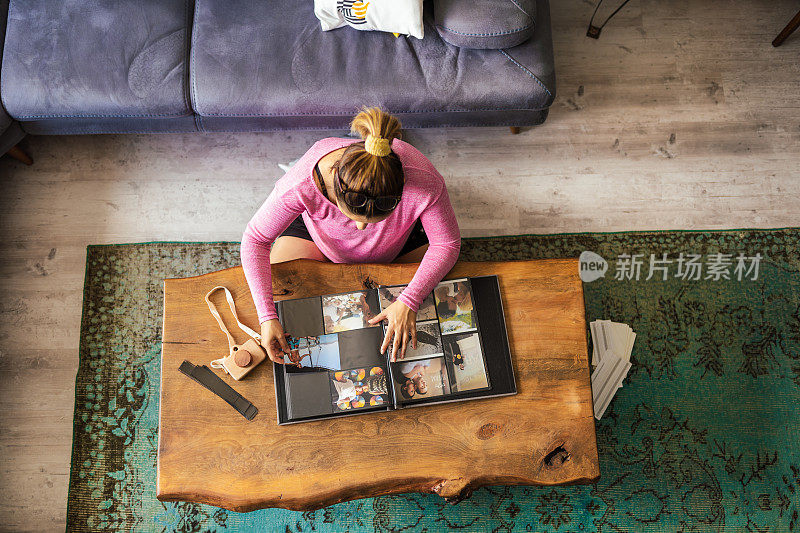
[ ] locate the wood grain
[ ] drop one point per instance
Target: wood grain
(544, 435)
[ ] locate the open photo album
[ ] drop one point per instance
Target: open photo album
(335, 367)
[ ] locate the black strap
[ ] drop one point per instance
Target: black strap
(208, 379)
(321, 183)
(594, 31)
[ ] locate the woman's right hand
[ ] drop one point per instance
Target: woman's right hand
(273, 339)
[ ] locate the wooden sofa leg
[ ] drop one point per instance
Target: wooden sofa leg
(514, 130)
(17, 153)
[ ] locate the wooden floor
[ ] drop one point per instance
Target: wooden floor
(682, 116)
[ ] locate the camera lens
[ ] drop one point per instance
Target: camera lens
(242, 358)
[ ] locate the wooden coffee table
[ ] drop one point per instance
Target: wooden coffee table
(544, 435)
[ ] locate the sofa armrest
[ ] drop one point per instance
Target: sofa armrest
(485, 24)
(10, 131)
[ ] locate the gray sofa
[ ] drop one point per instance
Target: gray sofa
(159, 66)
(10, 131)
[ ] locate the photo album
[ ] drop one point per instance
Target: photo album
(335, 368)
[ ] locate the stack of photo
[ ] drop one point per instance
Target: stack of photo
(612, 344)
(334, 366)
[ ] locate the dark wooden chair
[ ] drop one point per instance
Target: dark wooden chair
(788, 30)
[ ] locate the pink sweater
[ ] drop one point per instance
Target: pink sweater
(424, 198)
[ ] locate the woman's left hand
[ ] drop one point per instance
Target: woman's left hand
(401, 323)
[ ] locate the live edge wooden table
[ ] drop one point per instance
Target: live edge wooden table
(544, 435)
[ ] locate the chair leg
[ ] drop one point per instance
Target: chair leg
(514, 130)
(17, 153)
(787, 31)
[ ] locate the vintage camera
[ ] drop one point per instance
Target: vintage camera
(243, 359)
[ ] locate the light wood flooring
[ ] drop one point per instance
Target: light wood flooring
(682, 116)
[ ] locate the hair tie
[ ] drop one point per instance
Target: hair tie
(377, 145)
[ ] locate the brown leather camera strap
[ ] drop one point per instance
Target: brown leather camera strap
(222, 326)
(208, 379)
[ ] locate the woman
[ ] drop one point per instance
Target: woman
(374, 200)
(459, 303)
(413, 380)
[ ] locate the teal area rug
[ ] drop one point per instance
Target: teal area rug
(703, 436)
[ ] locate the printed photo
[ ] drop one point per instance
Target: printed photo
(421, 379)
(454, 306)
(313, 352)
(429, 342)
(463, 352)
(344, 312)
(389, 294)
(358, 388)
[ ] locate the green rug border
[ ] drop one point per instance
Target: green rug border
(89, 246)
(566, 233)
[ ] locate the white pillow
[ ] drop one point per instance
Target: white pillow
(395, 16)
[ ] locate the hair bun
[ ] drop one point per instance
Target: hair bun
(377, 128)
(377, 145)
(371, 167)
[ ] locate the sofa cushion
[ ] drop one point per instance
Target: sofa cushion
(485, 23)
(261, 65)
(96, 59)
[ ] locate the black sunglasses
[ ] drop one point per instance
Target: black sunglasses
(359, 200)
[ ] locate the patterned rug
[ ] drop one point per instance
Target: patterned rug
(703, 436)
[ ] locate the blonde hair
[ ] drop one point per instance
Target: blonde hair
(370, 166)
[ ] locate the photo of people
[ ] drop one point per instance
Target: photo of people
(358, 388)
(422, 379)
(343, 312)
(314, 352)
(463, 352)
(429, 342)
(389, 294)
(454, 306)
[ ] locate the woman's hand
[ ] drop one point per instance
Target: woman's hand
(401, 323)
(273, 339)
